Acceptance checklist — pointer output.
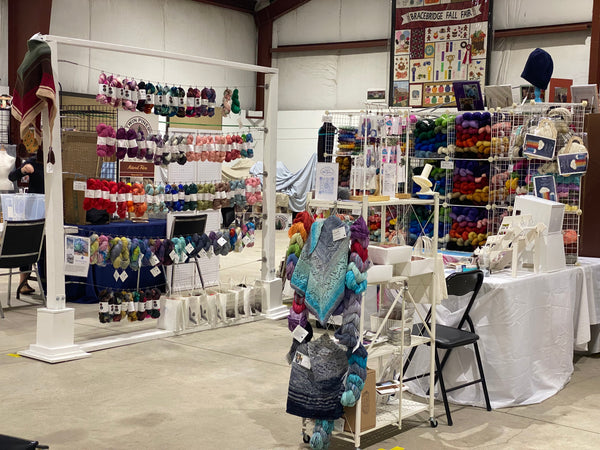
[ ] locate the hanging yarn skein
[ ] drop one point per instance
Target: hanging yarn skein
(235, 102)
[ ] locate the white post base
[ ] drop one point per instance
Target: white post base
(55, 333)
(272, 306)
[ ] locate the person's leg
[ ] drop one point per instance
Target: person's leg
(24, 287)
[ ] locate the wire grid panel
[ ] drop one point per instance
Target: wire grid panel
(86, 117)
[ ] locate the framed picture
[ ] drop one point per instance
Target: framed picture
(560, 90)
(545, 187)
(468, 95)
(572, 163)
(588, 93)
(528, 92)
(498, 96)
(538, 147)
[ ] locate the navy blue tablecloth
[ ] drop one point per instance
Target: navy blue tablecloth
(80, 290)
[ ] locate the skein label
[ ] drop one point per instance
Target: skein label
(142, 93)
(116, 275)
(246, 240)
(141, 306)
(150, 199)
(182, 195)
(103, 89)
(184, 258)
(130, 306)
(159, 99)
(127, 94)
(105, 195)
(168, 197)
(156, 304)
(155, 271)
(154, 261)
(101, 140)
(188, 197)
(161, 198)
(190, 101)
(111, 141)
(89, 193)
(189, 248)
(202, 253)
(97, 193)
(110, 91)
(193, 197)
(117, 309)
(112, 198)
(150, 99)
(171, 100)
(221, 241)
(129, 196)
(339, 233)
(104, 307)
(299, 333)
(174, 257)
(148, 305)
(197, 101)
(137, 198)
(121, 198)
(205, 102)
(124, 276)
(181, 101)
(302, 359)
(211, 105)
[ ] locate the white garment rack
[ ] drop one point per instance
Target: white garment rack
(56, 322)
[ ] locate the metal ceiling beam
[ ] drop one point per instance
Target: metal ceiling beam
(547, 29)
(246, 6)
(276, 9)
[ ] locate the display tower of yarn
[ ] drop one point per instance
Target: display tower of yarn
(513, 174)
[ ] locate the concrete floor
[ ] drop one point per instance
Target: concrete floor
(227, 388)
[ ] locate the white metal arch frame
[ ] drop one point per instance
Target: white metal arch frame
(55, 323)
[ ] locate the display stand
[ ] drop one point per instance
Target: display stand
(55, 323)
(393, 414)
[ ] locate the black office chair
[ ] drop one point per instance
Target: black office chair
(20, 245)
(448, 338)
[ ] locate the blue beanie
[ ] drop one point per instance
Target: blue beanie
(538, 68)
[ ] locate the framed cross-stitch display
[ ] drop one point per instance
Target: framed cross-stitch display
(436, 42)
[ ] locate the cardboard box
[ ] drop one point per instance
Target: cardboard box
(368, 406)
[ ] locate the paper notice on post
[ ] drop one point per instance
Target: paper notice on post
(77, 256)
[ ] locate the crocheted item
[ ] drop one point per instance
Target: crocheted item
(315, 393)
(321, 269)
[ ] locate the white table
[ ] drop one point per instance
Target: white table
(528, 327)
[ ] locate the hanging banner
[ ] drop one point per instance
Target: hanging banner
(437, 42)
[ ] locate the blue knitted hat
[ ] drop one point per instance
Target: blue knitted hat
(538, 68)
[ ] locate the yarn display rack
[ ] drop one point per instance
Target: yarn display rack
(160, 99)
(136, 306)
(177, 148)
(137, 199)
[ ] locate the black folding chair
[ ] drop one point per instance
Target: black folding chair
(20, 245)
(448, 338)
(13, 443)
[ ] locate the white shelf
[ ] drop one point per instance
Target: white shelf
(379, 350)
(388, 414)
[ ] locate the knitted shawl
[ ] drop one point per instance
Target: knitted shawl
(34, 89)
(315, 393)
(321, 269)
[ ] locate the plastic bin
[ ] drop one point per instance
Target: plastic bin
(23, 206)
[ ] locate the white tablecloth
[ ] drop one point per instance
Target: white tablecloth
(528, 327)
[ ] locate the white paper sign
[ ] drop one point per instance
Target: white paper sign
(77, 255)
(189, 248)
(221, 241)
(299, 333)
(339, 233)
(124, 276)
(326, 187)
(389, 183)
(155, 271)
(302, 359)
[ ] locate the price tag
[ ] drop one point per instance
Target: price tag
(299, 333)
(246, 240)
(202, 253)
(339, 233)
(174, 257)
(189, 248)
(104, 307)
(302, 359)
(221, 241)
(154, 260)
(116, 275)
(448, 165)
(184, 258)
(124, 276)
(155, 271)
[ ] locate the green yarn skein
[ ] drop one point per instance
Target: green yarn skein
(235, 102)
